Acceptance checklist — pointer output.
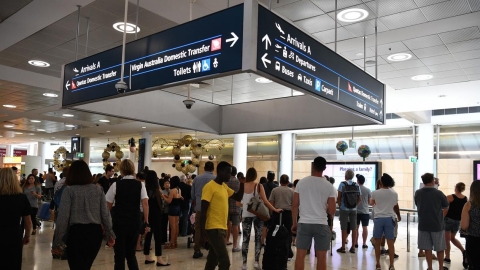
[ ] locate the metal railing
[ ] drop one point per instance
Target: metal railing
(409, 211)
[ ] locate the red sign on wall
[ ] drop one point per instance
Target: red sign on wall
(19, 152)
(3, 152)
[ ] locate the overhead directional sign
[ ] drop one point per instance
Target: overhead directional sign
(293, 56)
(198, 49)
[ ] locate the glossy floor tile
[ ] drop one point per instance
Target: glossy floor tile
(37, 255)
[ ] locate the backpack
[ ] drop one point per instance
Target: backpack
(350, 194)
(58, 196)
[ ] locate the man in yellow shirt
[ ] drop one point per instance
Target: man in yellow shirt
(214, 216)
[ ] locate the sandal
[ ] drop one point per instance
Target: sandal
(352, 250)
(341, 250)
(378, 267)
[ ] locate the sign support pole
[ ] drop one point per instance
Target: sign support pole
(136, 20)
(336, 24)
(86, 42)
(122, 73)
(414, 134)
(78, 32)
(365, 53)
(437, 156)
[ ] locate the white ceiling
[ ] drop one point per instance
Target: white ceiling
(442, 35)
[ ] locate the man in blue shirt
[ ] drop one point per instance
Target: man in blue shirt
(348, 213)
(197, 187)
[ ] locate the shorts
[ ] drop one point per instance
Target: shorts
(174, 211)
(234, 218)
(319, 232)
(384, 226)
(452, 225)
(347, 216)
(364, 218)
(431, 240)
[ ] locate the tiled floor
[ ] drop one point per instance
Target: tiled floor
(37, 255)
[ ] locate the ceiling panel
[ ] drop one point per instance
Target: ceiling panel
(467, 45)
(448, 58)
(423, 42)
(443, 67)
(449, 73)
(474, 77)
(475, 5)
(388, 7)
(359, 62)
(366, 28)
(469, 63)
(472, 70)
(316, 24)
(404, 85)
(390, 48)
(8, 8)
(299, 10)
(381, 69)
(329, 5)
(446, 9)
(414, 71)
(404, 19)
(389, 75)
(422, 3)
(473, 54)
(431, 51)
(352, 55)
(397, 80)
(408, 64)
(460, 35)
(329, 35)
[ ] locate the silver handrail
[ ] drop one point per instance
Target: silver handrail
(408, 224)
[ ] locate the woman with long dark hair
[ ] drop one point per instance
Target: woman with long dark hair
(154, 219)
(33, 192)
(452, 220)
(14, 206)
(471, 223)
(82, 218)
(174, 200)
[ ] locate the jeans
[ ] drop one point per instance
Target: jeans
(184, 221)
(83, 242)
(218, 254)
(125, 245)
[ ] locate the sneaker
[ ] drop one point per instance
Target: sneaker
(290, 259)
(197, 254)
(365, 246)
(256, 266)
(447, 260)
(395, 256)
(237, 249)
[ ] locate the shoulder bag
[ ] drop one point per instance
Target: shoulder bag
(257, 207)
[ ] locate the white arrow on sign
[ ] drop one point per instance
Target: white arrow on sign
(265, 60)
(267, 41)
(381, 102)
(67, 85)
(233, 39)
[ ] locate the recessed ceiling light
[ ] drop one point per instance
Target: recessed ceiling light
(53, 137)
(397, 57)
(108, 131)
(422, 77)
(68, 115)
(263, 80)
(39, 129)
(18, 133)
(144, 127)
(104, 121)
(50, 95)
(440, 96)
(359, 54)
(35, 121)
(9, 106)
(72, 126)
(38, 63)
(31, 134)
(130, 27)
(352, 15)
(9, 126)
(77, 134)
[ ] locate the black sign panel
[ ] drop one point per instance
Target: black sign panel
(293, 56)
(203, 47)
(141, 154)
(75, 145)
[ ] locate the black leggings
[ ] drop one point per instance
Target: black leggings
(83, 242)
(156, 230)
(472, 247)
(33, 216)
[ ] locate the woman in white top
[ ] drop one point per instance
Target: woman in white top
(253, 189)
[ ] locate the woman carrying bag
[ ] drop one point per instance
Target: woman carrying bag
(253, 192)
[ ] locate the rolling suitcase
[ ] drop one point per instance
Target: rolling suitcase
(275, 255)
(44, 213)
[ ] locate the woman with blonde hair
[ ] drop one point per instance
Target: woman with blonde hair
(33, 192)
(253, 189)
(14, 206)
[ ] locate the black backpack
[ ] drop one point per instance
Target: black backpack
(350, 194)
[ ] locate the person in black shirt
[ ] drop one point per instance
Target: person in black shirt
(185, 189)
(268, 187)
(104, 181)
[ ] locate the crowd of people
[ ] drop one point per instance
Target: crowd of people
(124, 212)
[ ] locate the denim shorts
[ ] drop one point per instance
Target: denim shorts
(364, 219)
(452, 225)
(174, 210)
(385, 226)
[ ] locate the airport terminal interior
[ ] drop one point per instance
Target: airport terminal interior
(375, 86)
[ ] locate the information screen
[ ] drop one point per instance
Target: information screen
(293, 56)
(197, 49)
(476, 170)
(369, 170)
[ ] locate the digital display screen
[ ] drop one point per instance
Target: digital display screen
(476, 170)
(369, 170)
(198, 49)
(289, 54)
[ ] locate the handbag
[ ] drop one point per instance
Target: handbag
(257, 207)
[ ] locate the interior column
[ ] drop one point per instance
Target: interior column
(240, 145)
(148, 150)
(425, 152)
(41, 152)
(85, 145)
(287, 150)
